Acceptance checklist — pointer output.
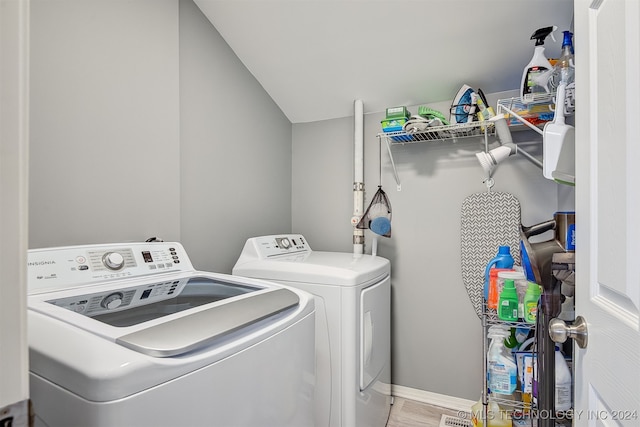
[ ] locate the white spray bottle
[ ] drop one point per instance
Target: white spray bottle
(502, 369)
(539, 66)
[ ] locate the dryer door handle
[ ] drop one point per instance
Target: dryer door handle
(368, 338)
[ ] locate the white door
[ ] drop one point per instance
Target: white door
(607, 376)
(14, 131)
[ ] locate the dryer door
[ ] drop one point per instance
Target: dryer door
(375, 331)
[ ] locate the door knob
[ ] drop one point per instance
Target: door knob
(559, 331)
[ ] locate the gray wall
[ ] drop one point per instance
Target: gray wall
(322, 196)
(235, 166)
(104, 134)
(436, 335)
(144, 123)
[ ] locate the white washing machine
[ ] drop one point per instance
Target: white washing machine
(131, 335)
(352, 323)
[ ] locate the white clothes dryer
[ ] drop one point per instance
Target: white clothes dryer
(131, 335)
(352, 323)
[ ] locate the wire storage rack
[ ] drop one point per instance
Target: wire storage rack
(441, 133)
(516, 405)
(445, 133)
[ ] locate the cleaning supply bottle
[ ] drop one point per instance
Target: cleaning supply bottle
(503, 259)
(533, 85)
(563, 75)
(531, 298)
(563, 383)
(477, 413)
(508, 303)
(496, 417)
(565, 67)
(520, 282)
(494, 293)
(485, 110)
(502, 368)
(511, 341)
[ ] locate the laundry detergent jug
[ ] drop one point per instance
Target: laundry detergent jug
(502, 260)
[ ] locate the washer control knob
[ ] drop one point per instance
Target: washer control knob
(113, 260)
(112, 301)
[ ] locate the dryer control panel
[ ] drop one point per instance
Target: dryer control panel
(276, 245)
(65, 267)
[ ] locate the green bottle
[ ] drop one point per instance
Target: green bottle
(508, 302)
(531, 302)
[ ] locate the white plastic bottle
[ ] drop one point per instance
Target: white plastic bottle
(538, 70)
(502, 368)
(563, 383)
(496, 417)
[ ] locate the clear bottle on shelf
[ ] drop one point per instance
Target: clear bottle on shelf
(564, 68)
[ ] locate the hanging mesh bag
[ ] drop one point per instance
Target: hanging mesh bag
(377, 217)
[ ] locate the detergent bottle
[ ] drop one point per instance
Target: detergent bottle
(494, 293)
(531, 298)
(508, 302)
(538, 71)
(502, 260)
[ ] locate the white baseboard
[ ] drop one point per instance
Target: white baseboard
(436, 399)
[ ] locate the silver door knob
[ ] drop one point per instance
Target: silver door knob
(559, 331)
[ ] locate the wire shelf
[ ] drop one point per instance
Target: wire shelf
(538, 112)
(515, 404)
(491, 318)
(436, 133)
(441, 133)
(515, 111)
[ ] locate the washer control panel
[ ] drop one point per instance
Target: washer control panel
(107, 301)
(65, 267)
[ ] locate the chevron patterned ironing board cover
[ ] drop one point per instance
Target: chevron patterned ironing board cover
(489, 220)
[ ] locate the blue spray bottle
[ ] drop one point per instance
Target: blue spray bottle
(565, 66)
(502, 260)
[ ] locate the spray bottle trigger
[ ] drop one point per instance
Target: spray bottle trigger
(542, 33)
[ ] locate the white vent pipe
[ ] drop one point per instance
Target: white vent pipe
(358, 176)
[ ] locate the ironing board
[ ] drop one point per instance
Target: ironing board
(488, 220)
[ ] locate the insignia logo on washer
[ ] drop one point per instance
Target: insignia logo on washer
(35, 263)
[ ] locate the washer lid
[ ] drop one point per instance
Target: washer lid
(196, 330)
(102, 363)
(329, 268)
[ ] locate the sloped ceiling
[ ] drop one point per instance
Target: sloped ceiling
(315, 57)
